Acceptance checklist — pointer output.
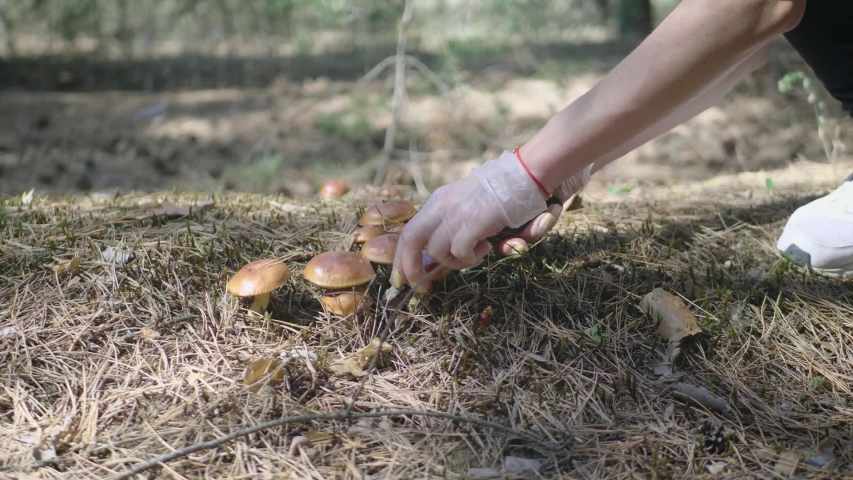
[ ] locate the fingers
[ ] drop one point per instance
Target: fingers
(440, 248)
(408, 259)
(532, 232)
(512, 246)
(463, 246)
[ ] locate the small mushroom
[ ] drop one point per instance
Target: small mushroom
(333, 189)
(388, 212)
(391, 190)
(342, 275)
(367, 232)
(335, 270)
(256, 280)
(381, 249)
(345, 302)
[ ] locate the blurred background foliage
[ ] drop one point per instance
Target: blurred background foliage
(266, 95)
(146, 28)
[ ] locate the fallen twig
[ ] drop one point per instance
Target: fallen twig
(340, 415)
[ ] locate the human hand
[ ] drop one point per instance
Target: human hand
(454, 225)
(517, 241)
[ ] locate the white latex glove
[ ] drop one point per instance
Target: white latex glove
(454, 224)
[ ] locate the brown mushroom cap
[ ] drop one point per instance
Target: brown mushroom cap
(391, 190)
(258, 277)
(389, 211)
(381, 249)
(345, 302)
(367, 232)
(338, 270)
(333, 189)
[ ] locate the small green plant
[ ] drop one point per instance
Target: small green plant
(768, 183)
(593, 333)
(788, 82)
(613, 190)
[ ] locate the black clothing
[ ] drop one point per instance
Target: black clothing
(824, 38)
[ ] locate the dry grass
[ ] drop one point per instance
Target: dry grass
(112, 364)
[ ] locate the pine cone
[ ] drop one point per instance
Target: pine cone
(711, 433)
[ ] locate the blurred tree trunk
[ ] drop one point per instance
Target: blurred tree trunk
(6, 33)
(635, 19)
(124, 35)
(397, 99)
(603, 7)
(7, 26)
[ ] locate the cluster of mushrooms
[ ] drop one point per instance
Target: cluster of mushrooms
(342, 275)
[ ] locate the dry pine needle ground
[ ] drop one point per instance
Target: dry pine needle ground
(119, 344)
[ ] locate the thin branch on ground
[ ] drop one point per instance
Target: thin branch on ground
(341, 415)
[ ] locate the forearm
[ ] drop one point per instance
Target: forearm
(702, 102)
(680, 67)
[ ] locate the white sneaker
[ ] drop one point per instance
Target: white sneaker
(819, 235)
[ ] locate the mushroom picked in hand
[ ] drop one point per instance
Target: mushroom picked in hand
(435, 271)
(256, 280)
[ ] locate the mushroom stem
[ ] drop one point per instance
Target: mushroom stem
(260, 303)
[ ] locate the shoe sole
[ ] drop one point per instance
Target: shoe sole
(804, 259)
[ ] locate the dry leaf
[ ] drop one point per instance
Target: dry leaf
(787, 463)
(717, 467)
(261, 372)
(371, 348)
(149, 333)
(318, 437)
(662, 369)
(169, 209)
(356, 361)
(700, 395)
(298, 442)
(354, 444)
(192, 379)
(44, 453)
(66, 266)
(537, 357)
(674, 320)
(17, 476)
(118, 256)
(347, 365)
(520, 464)
(8, 331)
(484, 473)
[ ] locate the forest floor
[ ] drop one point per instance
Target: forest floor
(120, 344)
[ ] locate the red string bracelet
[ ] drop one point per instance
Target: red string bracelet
(538, 183)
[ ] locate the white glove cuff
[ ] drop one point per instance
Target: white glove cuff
(511, 189)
